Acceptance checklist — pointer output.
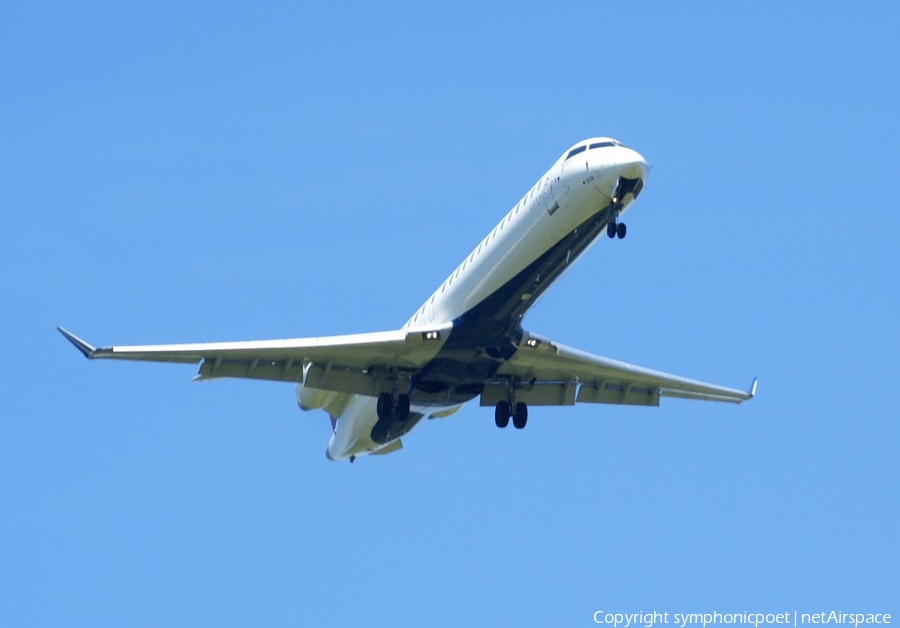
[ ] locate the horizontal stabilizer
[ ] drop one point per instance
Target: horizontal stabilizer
(389, 448)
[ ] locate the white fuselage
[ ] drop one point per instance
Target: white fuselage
(570, 193)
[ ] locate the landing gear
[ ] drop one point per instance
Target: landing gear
(402, 407)
(520, 418)
(614, 229)
(506, 410)
(387, 406)
(501, 414)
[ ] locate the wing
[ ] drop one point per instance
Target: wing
(344, 363)
(553, 374)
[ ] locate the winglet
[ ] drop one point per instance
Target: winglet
(753, 388)
(80, 344)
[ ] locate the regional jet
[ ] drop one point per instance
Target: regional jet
(466, 341)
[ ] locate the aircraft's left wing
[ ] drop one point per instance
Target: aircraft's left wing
(548, 373)
(283, 360)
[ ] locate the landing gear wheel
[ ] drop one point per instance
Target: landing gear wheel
(620, 230)
(520, 418)
(611, 229)
(385, 405)
(501, 414)
(402, 407)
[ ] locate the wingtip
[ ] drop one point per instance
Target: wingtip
(753, 387)
(86, 349)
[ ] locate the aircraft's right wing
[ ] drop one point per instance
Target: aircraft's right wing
(343, 363)
(548, 373)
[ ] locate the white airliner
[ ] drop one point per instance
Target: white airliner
(466, 340)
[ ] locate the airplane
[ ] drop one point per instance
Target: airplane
(467, 339)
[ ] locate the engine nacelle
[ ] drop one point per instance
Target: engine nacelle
(313, 398)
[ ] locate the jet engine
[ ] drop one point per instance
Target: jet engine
(313, 398)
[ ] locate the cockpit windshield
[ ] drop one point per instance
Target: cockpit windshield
(584, 147)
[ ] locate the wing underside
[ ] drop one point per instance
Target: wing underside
(284, 360)
(542, 371)
(548, 373)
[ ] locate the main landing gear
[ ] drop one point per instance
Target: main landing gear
(505, 410)
(396, 405)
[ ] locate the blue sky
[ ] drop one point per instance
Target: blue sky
(196, 172)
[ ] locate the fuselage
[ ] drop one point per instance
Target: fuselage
(481, 303)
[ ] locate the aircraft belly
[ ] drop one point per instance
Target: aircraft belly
(485, 336)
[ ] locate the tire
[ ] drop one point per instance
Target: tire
(385, 405)
(620, 230)
(521, 416)
(402, 407)
(611, 229)
(501, 414)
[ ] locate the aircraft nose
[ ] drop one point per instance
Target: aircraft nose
(634, 164)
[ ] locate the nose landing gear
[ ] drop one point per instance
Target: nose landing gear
(624, 186)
